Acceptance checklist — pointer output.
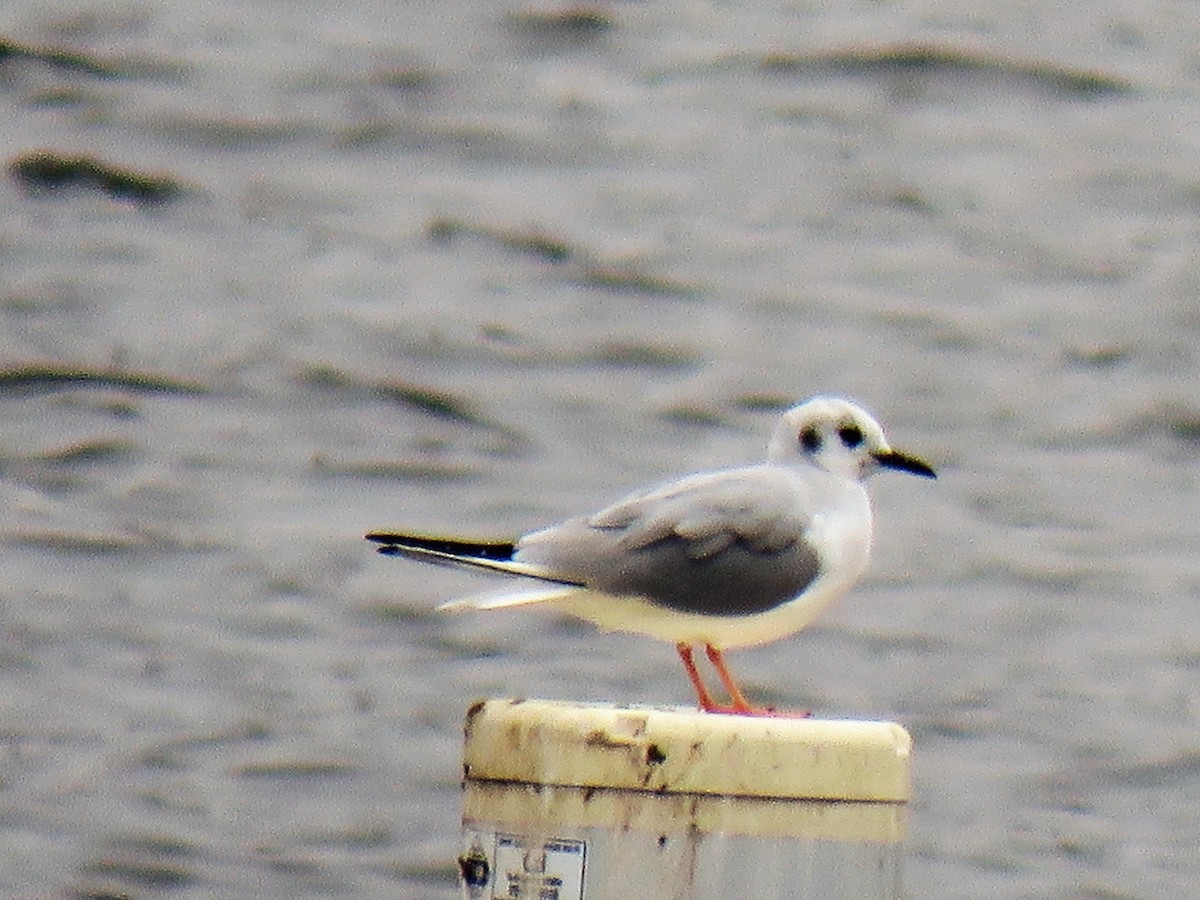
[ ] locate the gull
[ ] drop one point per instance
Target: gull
(721, 559)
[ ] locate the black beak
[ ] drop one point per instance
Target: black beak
(892, 459)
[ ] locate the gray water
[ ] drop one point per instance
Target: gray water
(478, 266)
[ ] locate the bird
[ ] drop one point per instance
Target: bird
(720, 559)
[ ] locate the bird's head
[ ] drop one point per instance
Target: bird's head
(840, 437)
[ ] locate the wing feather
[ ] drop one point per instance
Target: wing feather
(732, 541)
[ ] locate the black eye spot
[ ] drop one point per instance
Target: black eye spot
(851, 435)
(810, 440)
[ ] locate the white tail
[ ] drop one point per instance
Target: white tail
(502, 601)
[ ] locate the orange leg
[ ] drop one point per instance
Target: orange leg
(739, 705)
(703, 697)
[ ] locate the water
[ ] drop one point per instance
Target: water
(480, 265)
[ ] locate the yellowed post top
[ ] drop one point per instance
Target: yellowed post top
(669, 750)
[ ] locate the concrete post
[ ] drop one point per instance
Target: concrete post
(570, 801)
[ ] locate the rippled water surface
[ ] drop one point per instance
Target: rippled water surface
(275, 274)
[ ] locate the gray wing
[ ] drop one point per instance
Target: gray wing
(722, 543)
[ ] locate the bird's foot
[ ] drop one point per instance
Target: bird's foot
(768, 712)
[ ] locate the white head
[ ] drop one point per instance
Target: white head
(839, 437)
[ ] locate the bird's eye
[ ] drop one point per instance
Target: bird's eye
(810, 440)
(851, 435)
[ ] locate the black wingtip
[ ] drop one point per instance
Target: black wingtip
(389, 544)
(394, 544)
